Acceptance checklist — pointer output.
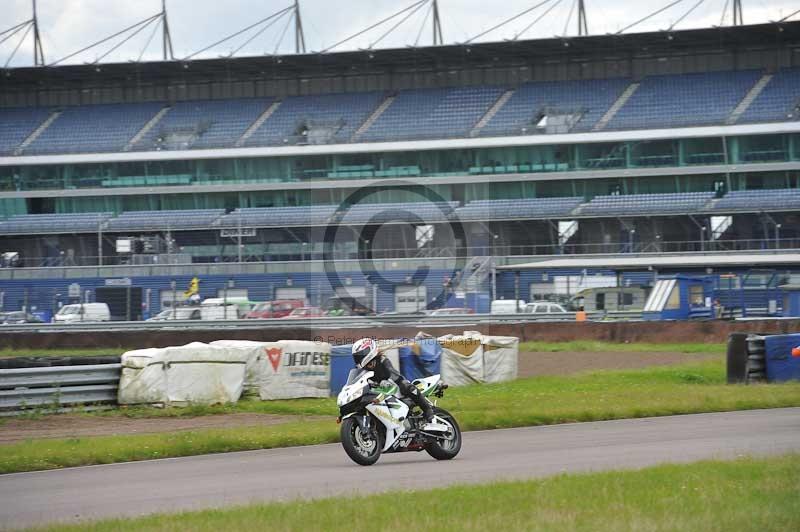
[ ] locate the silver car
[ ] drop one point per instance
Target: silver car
(543, 307)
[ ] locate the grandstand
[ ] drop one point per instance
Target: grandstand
(652, 102)
(625, 144)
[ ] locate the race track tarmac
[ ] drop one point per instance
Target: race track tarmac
(170, 485)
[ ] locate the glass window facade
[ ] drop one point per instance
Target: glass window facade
(479, 162)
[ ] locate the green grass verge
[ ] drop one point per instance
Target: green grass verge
(65, 352)
(602, 395)
(591, 346)
(33, 455)
(746, 494)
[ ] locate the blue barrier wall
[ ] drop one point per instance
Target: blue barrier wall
(341, 364)
(781, 365)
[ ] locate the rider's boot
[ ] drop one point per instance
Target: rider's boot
(430, 423)
(427, 411)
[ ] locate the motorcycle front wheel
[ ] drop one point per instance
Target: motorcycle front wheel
(446, 448)
(362, 449)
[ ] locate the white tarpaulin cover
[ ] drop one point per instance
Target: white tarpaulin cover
(475, 358)
(286, 369)
(255, 354)
(196, 373)
(500, 358)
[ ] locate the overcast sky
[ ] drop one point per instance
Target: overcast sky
(69, 25)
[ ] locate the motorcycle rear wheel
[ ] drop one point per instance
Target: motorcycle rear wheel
(359, 450)
(446, 449)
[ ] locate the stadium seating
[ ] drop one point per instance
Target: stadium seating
(780, 99)
(164, 220)
(642, 204)
(326, 214)
(278, 216)
(204, 124)
(94, 128)
(518, 208)
(787, 198)
(433, 113)
(17, 124)
(337, 116)
(54, 223)
(414, 114)
(591, 98)
(684, 100)
(424, 211)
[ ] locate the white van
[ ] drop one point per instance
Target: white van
(507, 306)
(217, 308)
(79, 312)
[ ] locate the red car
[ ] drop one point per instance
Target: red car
(274, 309)
(306, 312)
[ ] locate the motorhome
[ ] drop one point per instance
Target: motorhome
(610, 299)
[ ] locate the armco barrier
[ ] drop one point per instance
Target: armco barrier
(716, 331)
(58, 386)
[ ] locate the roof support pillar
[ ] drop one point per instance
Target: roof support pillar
(38, 51)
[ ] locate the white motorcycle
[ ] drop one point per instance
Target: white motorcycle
(377, 419)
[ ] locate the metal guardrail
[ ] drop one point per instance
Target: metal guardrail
(322, 323)
(58, 386)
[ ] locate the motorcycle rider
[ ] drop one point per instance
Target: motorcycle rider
(366, 355)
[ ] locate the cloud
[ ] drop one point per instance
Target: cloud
(69, 25)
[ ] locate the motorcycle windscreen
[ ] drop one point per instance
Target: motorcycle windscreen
(354, 375)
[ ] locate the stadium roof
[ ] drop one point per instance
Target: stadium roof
(618, 262)
(461, 56)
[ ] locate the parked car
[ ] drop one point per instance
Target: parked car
(232, 308)
(544, 307)
(177, 313)
(18, 317)
(274, 309)
(306, 312)
(450, 311)
(346, 306)
(78, 312)
(507, 306)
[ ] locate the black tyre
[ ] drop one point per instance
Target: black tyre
(363, 451)
(446, 449)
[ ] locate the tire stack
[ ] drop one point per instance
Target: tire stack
(746, 359)
(756, 370)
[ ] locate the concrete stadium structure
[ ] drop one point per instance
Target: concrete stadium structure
(406, 176)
